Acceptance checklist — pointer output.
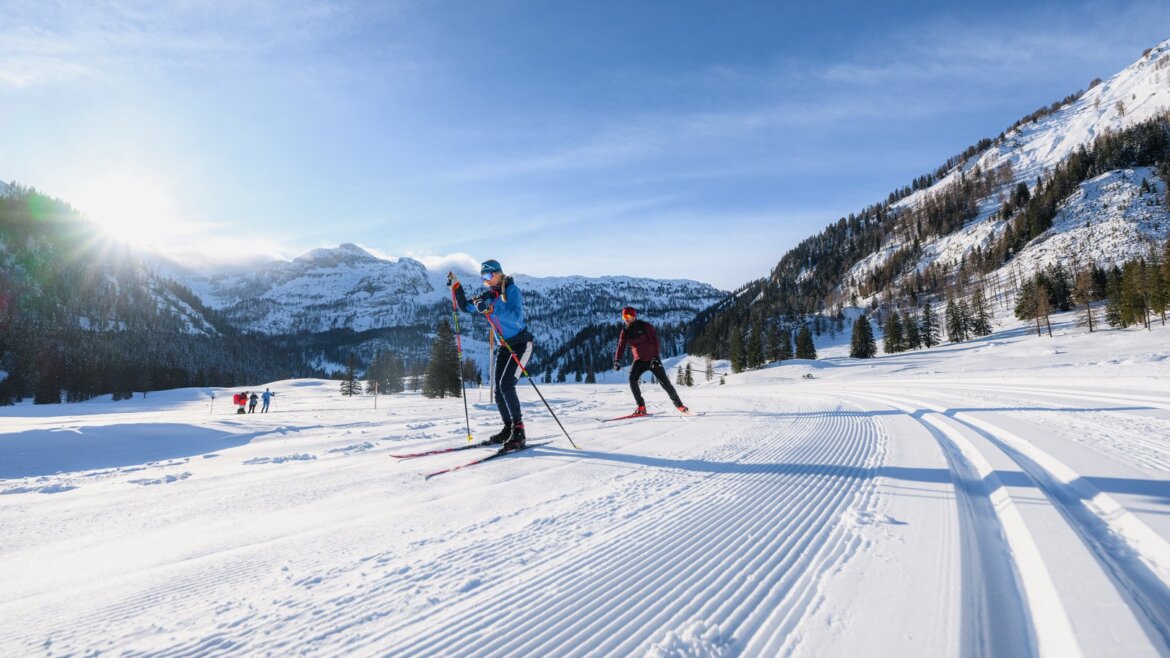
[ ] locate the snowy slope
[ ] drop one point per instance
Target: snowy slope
(1003, 497)
(1107, 221)
(1138, 93)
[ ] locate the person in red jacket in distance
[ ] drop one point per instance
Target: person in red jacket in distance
(643, 342)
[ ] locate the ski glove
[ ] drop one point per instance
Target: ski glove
(482, 305)
(655, 363)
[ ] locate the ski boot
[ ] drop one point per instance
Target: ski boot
(516, 441)
(501, 436)
(682, 408)
(640, 411)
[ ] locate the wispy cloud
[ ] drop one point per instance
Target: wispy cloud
(954, 53)
(48, 43)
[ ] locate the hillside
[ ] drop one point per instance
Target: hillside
(1081, 183)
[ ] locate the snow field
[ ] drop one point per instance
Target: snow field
(1008, 496)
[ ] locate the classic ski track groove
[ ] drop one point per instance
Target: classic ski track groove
(1148, 450)
(1131, 554)
(792, 529)
(981, 496)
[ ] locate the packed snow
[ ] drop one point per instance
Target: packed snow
(1009, 496)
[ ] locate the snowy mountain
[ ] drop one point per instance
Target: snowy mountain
(1081, 183)
(348, 291)
(5, 189)
(1109, 219)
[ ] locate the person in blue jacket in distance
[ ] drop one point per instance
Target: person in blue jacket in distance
(504, 303)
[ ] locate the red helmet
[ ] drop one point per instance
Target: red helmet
(629, 312)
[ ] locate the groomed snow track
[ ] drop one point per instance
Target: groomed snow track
(859, 517)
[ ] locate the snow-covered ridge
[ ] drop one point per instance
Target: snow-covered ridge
(1138, 93)
(347, 287)
(1109, 220)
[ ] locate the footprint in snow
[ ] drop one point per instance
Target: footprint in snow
(47, 489)
(163, 480)
(281, 460)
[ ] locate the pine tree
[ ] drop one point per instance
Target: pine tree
(862, 344)
(710, 369)
(1114, 313)
(929, 327)
(349, 383)
(1135, 296)
(1157, 294)
(786, 351)
(737, 356)
(910, 331)
(980, 315)
(442, 376)
(754, 356)
(678, 375)
(955, 332)
(893, 341)
(688, 376)
(805, 349)
(1032, 303)
(1083, 295)
(774, 349)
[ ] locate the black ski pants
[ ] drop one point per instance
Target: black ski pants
(659, 372)
(507, 373)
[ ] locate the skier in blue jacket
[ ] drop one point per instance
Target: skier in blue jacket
(502, 301)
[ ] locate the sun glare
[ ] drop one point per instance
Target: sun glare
(132, 208)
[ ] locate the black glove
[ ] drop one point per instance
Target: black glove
(617, 365)
(655, 363)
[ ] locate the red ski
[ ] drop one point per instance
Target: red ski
(606, 420)
(502, 452)
(440, 451)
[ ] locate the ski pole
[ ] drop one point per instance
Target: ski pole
(498, 332)
(459, 366)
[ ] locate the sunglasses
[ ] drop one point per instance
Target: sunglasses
(487, 276)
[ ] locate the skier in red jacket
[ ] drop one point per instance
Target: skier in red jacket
(643, 342)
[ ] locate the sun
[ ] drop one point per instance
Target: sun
(132, 208)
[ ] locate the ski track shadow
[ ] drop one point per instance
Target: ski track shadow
(1155, 491)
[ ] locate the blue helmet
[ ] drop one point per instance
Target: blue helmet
(490, 266)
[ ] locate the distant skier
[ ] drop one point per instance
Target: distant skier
(643, 342)
(252, 402)
(240, 399)
(503, 302)
(267, 397)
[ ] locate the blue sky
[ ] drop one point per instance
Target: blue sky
(665, 139)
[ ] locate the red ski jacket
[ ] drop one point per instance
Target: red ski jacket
(641, 338)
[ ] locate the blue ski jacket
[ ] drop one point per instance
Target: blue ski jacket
(505, 304)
